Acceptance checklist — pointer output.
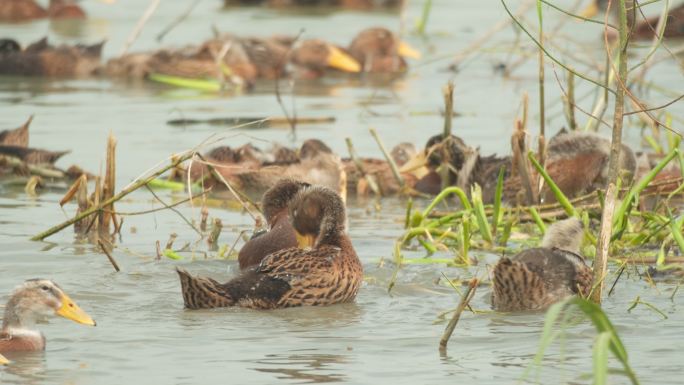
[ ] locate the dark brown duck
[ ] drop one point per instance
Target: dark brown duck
(280, 233)
(327, 272)
(43, 59)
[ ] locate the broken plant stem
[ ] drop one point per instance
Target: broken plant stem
(359, 166)
(109, 255)
(600, 263)
(101, 205)
(465, 299)
(393, 165)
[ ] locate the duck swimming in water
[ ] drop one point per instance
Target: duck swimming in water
(325, 271)
(42, 59)
(280, 234)
(30, 302)
(536, 278)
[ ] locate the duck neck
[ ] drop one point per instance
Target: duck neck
(12, 319)
(331, 234)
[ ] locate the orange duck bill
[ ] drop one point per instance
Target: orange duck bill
(406, 50)
(70, 310)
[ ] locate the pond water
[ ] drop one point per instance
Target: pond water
(145, 336)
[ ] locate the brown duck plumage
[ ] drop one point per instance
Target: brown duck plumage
(30, 302)
(353, 4)
(576, 161)
(536, 278)
(32, 155)
(327, 273)
(380, 50)
(18, 137)
(280, 234)
(43, 59)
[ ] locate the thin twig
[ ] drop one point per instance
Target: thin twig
(173, 209)
(465, 299)
(388, 157)
(109, 255)
(139, 27)
(177, 21)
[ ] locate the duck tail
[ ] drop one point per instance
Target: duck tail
(516, 287)
(565, 235)
(202, 293)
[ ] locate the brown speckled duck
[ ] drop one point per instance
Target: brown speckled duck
(30, 302)
(280, 233)
(536, 278)
(32, 155)
(17, 137)
(380, 50)
(381, 172)
(43, 59)
(327, 271)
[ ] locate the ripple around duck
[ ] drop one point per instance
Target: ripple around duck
(143, 333)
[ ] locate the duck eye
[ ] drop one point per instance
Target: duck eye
(44, 288)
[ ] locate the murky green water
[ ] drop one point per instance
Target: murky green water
(143, 333)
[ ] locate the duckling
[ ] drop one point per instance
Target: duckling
(43, 59)
(325, 273)
(380, 50)
(32, 155)
(644, 29)
(18, 137)
(536, 278)
(280, 234)
(28, 303)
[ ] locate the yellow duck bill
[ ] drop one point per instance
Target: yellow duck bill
(70, 310)
(3, 360)
(406, 50)
(305, 241)
(590, 11)
(342, 61)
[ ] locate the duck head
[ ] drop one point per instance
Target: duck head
(317, 55)
(277, 199)
(39, 298)
(380, 50)
(318, 217)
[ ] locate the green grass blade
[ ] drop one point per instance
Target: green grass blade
(196, 84)
(601, 350)
(560, 196)
(497, 200)
(480, 216)
(445, 193)
(537, 219)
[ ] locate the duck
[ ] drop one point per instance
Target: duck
(280, 233)
(26, 10)
(244, 60)
(30, 302)
(576, 161)
(33, 156)
(18, 137)
(323, 270)
(317, 164)
(42, 59)
(536, 278)
(379, 50)
(644, 29)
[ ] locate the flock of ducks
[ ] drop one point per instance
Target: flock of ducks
(306, 257)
